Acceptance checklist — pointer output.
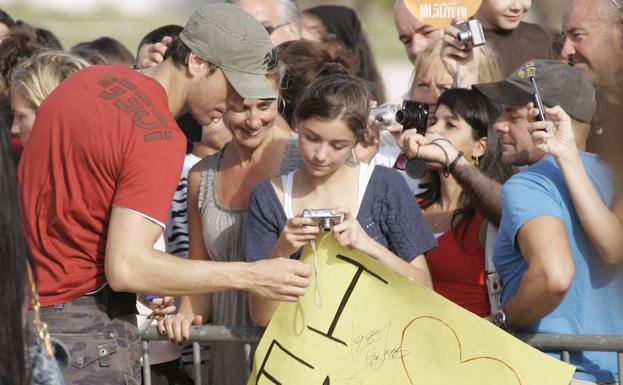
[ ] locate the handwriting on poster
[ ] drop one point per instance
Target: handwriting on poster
(375, 326)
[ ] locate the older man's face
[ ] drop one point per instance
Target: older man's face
(591, 42)
(412, 32)
(267, 12)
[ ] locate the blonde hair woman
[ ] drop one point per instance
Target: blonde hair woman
(33, 79)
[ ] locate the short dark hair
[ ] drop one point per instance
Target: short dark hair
(104, 50)
(337, 96)
(6, 19)
(44, 37)
(157, 34)
(178, 52)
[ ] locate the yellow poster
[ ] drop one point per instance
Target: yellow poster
(440, 13)
(360, 323)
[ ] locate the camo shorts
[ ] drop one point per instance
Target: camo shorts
(104, 351)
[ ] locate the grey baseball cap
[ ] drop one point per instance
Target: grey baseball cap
(234, 41)
(559, 85)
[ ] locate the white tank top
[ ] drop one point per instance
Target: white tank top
(365, 172)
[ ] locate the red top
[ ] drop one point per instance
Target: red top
(103, 138)
(458, 273)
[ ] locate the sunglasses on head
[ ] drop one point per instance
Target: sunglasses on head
(272, 28)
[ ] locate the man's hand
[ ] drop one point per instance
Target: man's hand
(555, 135)
(453, 52)
(162, 306)
(279, 279)
(155, 53)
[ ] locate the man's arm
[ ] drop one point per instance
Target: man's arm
(484, 192)
(544, 244)
(133, 265)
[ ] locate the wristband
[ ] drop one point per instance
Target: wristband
(449, 169)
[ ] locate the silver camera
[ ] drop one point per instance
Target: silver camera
(471, 33)
(384, 116)
(323, 218)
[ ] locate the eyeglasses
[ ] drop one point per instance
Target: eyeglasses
(616, 4)
(272, 28)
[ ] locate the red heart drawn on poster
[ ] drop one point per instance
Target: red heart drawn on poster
(436, 357)
(439, 13)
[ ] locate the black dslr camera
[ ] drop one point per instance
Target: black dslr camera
(414, 115)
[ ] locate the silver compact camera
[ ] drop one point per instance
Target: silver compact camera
(384, 116)
(323, 218)
(471, 33)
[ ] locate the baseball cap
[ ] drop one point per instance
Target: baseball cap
(559, 85)
(234, 41)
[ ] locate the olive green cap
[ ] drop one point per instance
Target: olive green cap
(235, 42)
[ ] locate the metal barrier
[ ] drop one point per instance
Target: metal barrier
(547, 342)
(199, 334)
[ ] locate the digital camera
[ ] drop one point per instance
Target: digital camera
(471, 33)
(323, 218)
(413, 115)
(384, 116)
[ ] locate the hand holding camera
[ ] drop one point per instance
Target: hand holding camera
(554, 135)
(350, 234)
(458, 51)
(295, 234)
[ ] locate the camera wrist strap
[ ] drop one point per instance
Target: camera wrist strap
(317, 293)
(457, 78)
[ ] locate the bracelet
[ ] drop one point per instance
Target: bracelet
(449, 169)
(444, 153)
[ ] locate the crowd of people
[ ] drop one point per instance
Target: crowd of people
(169, 187)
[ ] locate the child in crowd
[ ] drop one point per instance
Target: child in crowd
(379, 215)
(514, 40)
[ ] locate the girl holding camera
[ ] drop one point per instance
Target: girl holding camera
(463, 118)
(379, 215)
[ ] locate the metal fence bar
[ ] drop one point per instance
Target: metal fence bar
(573, 343)
(146, 365)
(211, 334)
(197, 361)
(565, 356)
(547, 342)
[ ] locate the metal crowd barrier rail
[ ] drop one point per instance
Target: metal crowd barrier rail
(546, 342)
(199, 334)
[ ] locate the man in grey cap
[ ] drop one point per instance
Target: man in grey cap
(553, 279)
(97, 183)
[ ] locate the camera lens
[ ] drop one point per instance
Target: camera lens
(326, 224)
(464, 37)
(411, 118)
(385, 118)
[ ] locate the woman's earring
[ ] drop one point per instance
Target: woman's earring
(352, 158)
(477, 160)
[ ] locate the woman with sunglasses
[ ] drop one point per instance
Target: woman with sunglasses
(378, 213)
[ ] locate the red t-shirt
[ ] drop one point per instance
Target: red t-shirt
(458, 273)
(103, 138)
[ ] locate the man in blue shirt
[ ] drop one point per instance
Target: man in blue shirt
(553, 279)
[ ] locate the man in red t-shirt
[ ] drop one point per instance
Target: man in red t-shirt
(97, 180)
